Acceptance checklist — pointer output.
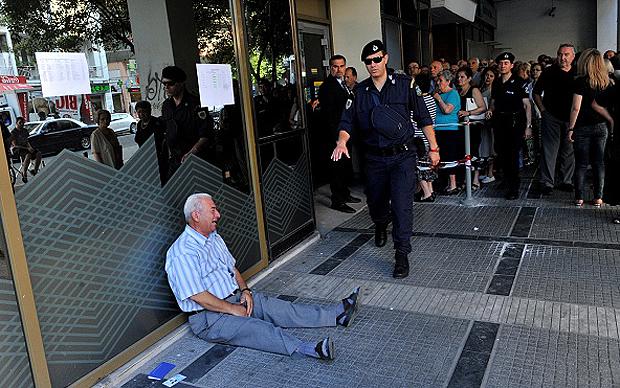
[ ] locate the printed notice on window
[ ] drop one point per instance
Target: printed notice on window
(63, 74)
(215, 84)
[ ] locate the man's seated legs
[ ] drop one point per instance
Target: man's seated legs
(262, 330)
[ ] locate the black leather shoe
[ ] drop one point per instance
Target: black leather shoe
(353, 200)
(546, 190)
(326, 349)
(380, 235)
(343, 207)
(568, 187)
(401, 267)
(350, 308)
(512, 195)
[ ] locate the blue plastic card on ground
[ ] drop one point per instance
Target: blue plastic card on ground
(161, 371)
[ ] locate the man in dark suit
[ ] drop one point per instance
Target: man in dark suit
(333, 96)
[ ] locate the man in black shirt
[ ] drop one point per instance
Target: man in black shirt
(511, 112)
(153, 126)
(553, 94)
(333, 95)
(189, 127)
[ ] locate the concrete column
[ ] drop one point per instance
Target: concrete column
(163, 34)
(607, 25)
(355, 23)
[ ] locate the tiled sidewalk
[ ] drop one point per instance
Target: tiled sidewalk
(508, 294)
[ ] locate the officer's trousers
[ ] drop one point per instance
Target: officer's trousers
(390, 185)
(508, 132)
(263, 330)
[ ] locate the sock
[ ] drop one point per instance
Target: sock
(307, 349)
(340, 310)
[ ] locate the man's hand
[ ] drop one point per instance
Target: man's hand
(248, 301)
(528, 132)
(237, 310)
(341, 148)
(184, 158)
(488, 115)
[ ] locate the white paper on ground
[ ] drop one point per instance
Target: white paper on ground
(215, 84)
(174, 380)
(63, 74)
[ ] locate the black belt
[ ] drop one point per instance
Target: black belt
(391, 150)
(199, 311)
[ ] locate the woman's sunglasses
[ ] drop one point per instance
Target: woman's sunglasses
(368, 61)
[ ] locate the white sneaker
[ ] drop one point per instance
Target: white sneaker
(488, 179)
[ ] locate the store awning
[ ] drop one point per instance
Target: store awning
(13, 82)
(453, 11)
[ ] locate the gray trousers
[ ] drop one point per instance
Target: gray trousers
(263, 329)
(554, 146)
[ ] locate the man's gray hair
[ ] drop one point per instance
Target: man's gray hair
(446, 74)
(193, 203)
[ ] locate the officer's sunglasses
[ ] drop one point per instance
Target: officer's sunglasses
(169, 83)
(368, 61)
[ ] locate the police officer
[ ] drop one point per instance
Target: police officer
(189, 127)
(382, 111)
(511, 113)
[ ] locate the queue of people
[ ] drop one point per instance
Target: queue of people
(552, 114)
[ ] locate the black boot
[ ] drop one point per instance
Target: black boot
(380, 234)
(401, 267)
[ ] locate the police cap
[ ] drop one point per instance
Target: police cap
(174, 73)
(372, 47)
(505, 56)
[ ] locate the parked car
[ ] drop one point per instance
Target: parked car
(52, 136)
(123, 123)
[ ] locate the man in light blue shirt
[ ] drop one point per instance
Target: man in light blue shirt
(207, 285)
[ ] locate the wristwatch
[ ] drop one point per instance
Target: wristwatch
(247, 289)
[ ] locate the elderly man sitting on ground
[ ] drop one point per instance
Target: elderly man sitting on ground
(207, 285)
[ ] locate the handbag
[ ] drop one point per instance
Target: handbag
(470, 104)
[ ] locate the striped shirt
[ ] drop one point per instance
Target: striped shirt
(195, 263)
(432, 111)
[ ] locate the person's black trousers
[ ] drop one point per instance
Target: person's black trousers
(509, 129)
(341, 174)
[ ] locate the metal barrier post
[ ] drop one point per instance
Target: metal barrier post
(468, 200)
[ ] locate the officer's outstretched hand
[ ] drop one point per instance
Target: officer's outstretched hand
(341, 148)
(434, 158)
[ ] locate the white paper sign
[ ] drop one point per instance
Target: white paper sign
(215, 84)
(63, 74)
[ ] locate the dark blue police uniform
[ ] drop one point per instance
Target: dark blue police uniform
(509, 125)
(381, 119)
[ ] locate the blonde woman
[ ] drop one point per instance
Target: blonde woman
(587, 127)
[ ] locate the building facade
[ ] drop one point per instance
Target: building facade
(84, 244)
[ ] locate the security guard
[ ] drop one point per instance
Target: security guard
(382, 111)
(511, 113)
(189, 127)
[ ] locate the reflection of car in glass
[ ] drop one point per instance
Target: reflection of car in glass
(52, 136)
(123, 122)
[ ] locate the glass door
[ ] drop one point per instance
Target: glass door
(280, 123)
